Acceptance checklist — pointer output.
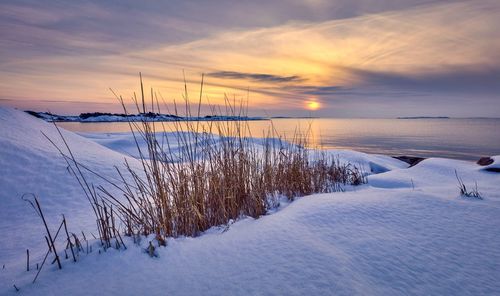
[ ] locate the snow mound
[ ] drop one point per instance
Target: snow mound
(370, 163)
(439, 176)
(30, 164)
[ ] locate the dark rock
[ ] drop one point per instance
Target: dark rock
(411, 160)
(95, 114)
(33, 113)
(485, 161)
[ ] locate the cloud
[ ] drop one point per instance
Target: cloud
(284, 51)
(318, 90)
(256, 77)
(475, 79)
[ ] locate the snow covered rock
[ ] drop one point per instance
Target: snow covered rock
(490, 164)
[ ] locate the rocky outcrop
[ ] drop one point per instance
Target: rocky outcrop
(485, 161)
(411, 160)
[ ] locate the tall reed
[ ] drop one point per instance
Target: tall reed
(205, 174)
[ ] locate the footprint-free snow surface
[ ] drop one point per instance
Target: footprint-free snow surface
(407, 232)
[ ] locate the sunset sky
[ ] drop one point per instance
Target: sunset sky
(337, 58)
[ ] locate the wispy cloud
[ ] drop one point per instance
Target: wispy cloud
(471, 79)
(256, 76)
(318, 90)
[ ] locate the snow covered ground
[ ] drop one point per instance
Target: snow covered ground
(407, 232)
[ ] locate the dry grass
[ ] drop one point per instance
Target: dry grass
(473, 193)
(219, 174)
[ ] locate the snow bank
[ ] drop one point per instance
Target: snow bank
(437, 176)
(370, 163)
(29, 164)
(126, 144)
(407, 232)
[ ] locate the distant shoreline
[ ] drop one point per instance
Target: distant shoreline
(424, 117)
(148, 117)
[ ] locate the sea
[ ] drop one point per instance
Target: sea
(457, 138)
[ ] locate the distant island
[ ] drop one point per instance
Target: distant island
(294, 117)
(424, 117)
(118, 117)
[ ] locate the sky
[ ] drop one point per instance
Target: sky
(328, 58)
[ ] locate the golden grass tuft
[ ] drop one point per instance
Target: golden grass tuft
(219, 174)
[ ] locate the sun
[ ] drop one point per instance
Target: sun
(313, 105)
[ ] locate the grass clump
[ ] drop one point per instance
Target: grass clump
(464, 191)
(209, 173)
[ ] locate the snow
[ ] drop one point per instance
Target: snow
(30, 164)
(125, 143)
(406, 232)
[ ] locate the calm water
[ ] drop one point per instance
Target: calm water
(466, 139)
